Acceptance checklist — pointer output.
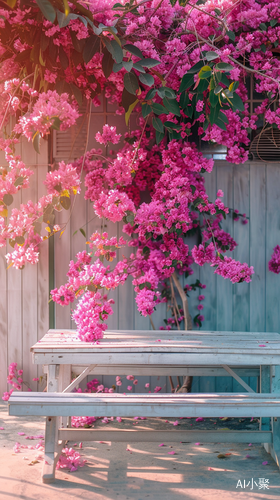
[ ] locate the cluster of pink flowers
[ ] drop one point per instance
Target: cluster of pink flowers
(232, 269)
(63, 180)
(113, 206)
(93, 309)
(48, 107)
(108, 135)
(106, 246)
(274, 263)
(70, 459)
(14, 379)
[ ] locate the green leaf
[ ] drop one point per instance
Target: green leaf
(213, 98)
(228, 93)
(131, 83)
(196, 67)
(263, 47)
(148, 63)
(221, 77)
(114, 49)
(202, 86)
(159, 136)
(220, 124)
(91, 47)
(172, 106)
(151, 94)
(218, 89)
(231, 35)
(20, 240)
(117, 67)
(8, 199)
(172, 126)
(133, 50)
(56, 123)
(223, 117)
(146, 110)
(139, 68)
(83, 232)
(189, 111)
(77, 44)
(107, 63)
(129, 111)
(77, 94)
(47, 10)
(44, 42)
(273, 22)
(205, 72)
(127, 99)
(19, 181)
(147, 79)
(237, 102)
(127, 65)
(214, 111)
(63, 58)
(184, 100)
(158, 109)
(224, 67)
(210, 56)
(157, 124)
(187, 82)
(263, 27)
(193, 188)
(65, 202)
(36, 142)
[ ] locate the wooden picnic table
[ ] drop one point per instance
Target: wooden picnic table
(158, 352)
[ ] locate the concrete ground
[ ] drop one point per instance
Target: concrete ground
(115, 471)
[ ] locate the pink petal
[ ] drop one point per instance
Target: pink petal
(262, 345)
(199, 419)
(197, 444)
(171, 452)
(1, 428)
(161, 444)
(21, 433)
(264, 463)
(248, 456)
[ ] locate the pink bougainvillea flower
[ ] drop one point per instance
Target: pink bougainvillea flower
(199, 419)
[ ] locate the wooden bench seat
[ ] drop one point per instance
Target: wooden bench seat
(54, 405)
(146, 405)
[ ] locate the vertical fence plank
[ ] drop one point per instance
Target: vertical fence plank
(207, 276)
(29, 302)
(43, 266)
(225, 287)
(3, 321)
(257, 246)
(272, 239)
(241, 302)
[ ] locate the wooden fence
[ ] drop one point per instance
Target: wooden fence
(252, 188)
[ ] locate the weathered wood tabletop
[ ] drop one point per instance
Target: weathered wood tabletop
(160, 347)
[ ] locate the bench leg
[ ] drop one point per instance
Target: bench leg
(51, 450)
(265, 422)
(275, 388)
